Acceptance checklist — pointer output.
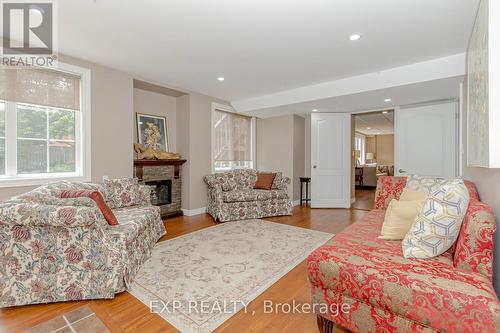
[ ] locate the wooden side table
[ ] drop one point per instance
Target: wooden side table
(306, 181)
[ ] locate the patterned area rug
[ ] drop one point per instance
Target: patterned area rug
(199, 280)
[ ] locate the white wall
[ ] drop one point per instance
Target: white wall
(159, 105)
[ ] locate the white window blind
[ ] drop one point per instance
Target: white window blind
(232, 146)
(39, 86)
(42, 127)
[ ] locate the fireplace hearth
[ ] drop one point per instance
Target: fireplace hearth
(164, 177)
(161, 192)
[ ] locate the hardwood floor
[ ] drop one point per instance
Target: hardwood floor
(125, 313)
(365, 198)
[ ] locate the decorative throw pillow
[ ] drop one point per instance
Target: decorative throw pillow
(264, 181)
(410, 195)
(438, 224)
(124, 192)
(425, 184)
(99, 200)
(399, 218)
(278, 182)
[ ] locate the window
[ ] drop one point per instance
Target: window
(232, 140)
(360, 145)
(44, 124)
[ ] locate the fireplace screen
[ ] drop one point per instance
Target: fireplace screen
(161, 193)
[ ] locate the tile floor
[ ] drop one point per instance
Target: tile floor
(81, 320)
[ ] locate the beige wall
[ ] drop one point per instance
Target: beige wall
(199, 147)
(370, 144)
(298, 154)
(275, 146)
(159, 105)
(385, 149)
(307, 144)
(281, 146)
(182, 142)
(111, 124)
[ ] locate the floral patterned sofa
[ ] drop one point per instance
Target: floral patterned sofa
(54, 249)
(388, 293)
(231, 196)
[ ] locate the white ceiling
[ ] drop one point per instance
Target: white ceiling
(260, 46)
(375, 123)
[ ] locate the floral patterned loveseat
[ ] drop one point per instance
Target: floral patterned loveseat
(54, 249)
(385, 292)
(231, 196)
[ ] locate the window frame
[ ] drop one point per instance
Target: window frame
(82, 138)
(362, 138)
(253, 131)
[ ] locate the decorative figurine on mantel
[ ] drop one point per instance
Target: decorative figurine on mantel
(144, 153)
(153, 138)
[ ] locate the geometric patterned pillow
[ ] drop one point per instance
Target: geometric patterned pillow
(425, 184)
(437, 225)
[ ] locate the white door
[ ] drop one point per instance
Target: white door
(426, 140)
(331, 160)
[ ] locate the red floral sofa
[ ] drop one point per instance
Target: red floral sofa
(387, 293)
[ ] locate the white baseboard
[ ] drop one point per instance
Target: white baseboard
(353, 200)
(196, 211)
(295, 203)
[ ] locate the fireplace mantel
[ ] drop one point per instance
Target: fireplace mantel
(159, 162)
(140, 164)
(165, 177)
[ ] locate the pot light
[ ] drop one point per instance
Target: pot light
(385, 112)
(314, 110)
(387, 100)
(355, 37)
(220, 78)
(368, 128)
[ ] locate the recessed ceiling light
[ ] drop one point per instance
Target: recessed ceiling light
(220, 78)
(368, 128)
(387, 100)
(355, 37)
(314, 110)
(385, 112)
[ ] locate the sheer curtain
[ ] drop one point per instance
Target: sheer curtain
(232, 141)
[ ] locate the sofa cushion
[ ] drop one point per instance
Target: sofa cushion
(388, 188)
(399, 218)
(438, 224)
(124, 192)
(132, 221)
(474, 247)
(264, 181)
(429, 292)
(253, 195)
(96, 196)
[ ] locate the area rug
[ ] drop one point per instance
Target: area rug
(199, 280)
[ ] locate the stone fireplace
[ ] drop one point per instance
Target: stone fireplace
(164, 177)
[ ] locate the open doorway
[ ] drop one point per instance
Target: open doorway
(373, 151)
